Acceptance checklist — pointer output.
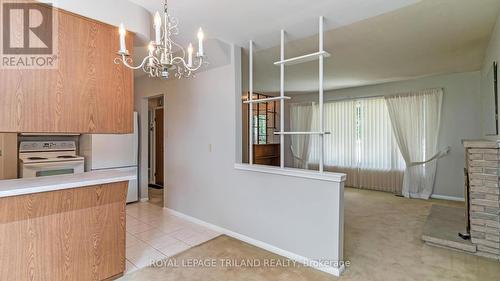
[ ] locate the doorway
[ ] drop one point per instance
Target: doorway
(156, 177)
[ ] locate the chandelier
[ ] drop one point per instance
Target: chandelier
(165, 55)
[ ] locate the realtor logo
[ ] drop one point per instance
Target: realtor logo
(28, 35)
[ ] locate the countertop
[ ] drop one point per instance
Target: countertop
(52, 183)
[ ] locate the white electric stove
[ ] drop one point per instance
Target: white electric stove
(39, 159)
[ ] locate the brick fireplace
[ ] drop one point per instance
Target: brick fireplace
(483, 166)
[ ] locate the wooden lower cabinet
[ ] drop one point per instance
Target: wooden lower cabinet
(73, 234)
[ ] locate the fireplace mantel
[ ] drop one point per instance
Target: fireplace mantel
(481, 143)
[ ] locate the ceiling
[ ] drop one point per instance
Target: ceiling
(430, 37)
(371, 41)
(236, 21)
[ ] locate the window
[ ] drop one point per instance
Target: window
(361, 136)
(260, 128)
(361, 143)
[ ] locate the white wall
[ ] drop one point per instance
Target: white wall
(492, 54)
(203, 134)
(134, 17)
(461, 119)
(219, 54)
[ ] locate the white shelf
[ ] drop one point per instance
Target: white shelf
(304, 58)
(302, 133)
(267, 99)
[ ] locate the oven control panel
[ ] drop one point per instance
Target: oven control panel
(35, 146)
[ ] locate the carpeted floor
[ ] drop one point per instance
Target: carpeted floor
(382, 242)
(224, 259)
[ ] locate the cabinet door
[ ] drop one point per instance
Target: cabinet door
(86, 93)
(2, 152)
(8, 156)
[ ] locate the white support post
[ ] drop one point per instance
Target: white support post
(250, 105)
(282, 103)
(321, 117)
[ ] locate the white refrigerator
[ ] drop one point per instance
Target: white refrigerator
(103, 152)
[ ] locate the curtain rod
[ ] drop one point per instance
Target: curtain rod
(411, 93)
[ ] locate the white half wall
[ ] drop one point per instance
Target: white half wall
(461, 119)
(293, 216)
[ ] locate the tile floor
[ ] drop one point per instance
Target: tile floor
(154, 234)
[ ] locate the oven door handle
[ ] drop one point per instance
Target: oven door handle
(52, 164)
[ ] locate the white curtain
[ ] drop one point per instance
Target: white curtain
(300, 121)
(340, 120)
(380, 165)
(361, 144)
(416, 119)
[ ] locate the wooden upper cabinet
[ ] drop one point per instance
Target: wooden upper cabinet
(86, 93)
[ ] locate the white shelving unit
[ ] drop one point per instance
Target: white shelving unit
(250, 103)
(304, 58)
(320, 55)
(267, 100)
(302, 133)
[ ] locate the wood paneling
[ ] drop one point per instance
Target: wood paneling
(86, 93)
(74, 234)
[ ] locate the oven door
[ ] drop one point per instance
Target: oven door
(32, 170)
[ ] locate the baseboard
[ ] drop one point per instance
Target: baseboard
(298, 258)
(450, 198)
(144, 199)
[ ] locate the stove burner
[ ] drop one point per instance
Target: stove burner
(66, 157)
(37, 158)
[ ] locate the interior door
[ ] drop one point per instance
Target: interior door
(159, 146)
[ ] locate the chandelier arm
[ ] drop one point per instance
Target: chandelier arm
(190, 69)
(127, 61)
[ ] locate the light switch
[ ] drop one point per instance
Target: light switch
(210, 147)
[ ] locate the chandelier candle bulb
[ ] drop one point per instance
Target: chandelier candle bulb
(157, 25)
(163, 59)
(190, 55)
(122, 32)
(200, 42)
(151, 49)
